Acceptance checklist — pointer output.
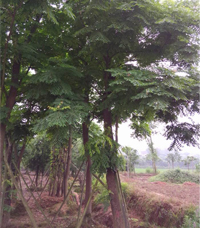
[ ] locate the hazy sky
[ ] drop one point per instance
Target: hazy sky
(160, 142)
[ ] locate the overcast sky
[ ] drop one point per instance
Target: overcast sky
(160, 142)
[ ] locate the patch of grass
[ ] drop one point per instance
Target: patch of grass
(176, 176)
(145, 170)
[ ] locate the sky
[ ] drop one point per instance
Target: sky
(160, 142)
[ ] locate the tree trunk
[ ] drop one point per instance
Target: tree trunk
(67, 169)
(88, 189)
(134, 168)
(2, 137)
(120, 219)
(7, 187)
(116, 129)
(37, 175)
(154, 166)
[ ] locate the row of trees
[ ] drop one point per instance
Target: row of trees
(64, 64)
(132, 158)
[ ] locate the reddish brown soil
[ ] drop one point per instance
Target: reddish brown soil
(184, 193)
(187, 193)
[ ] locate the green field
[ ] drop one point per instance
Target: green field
(143, 170)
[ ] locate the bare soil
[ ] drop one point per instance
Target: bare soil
(187, 193)
(183, 194)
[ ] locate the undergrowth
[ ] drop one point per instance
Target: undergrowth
(102, 196)
(192, 220)
(176, 176)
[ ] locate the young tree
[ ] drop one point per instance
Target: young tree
(173, 157)
(131, 159)
(152, 156)
(188, 160)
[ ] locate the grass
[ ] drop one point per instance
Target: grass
(143, 170)
(160, 170)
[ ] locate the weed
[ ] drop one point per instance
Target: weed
(192, 221)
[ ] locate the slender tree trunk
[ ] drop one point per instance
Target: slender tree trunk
(134, 168)
(2, 137)
(88, 189)
(67, 169)
(154, 166)
(7, 187)
(116, 129)
(37, 175)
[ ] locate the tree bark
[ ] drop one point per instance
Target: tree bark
(7, 196)
(67, 169)
(120, 219)
(2, 137)
(116, 129)
(88, 189)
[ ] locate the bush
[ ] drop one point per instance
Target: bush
(149, 170)
(176, 176)
(192, 221)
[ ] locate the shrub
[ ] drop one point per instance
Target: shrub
(176, 176)
(192, 220)
(149, 170)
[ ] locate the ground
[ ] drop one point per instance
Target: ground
(182, 194)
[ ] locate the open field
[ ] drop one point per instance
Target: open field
(143, 170)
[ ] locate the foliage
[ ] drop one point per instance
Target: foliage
(188, 160)
(37, 154)
(100, 147)
(197, 166)
(102, 196)
(176, 176)
(131, 157)
(183, 133)
(173, 157)
(192, 220)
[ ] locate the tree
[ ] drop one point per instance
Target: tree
(188, 160)
(131, 158)
(173, 157)
(110, 33)
(152, 156)
(21, 52)
(101, 39)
